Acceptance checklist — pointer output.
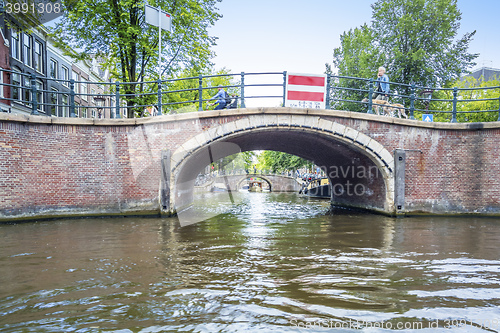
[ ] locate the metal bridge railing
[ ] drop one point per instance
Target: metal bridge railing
(348, 93)
(40, 95)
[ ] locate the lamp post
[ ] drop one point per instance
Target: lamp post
(427, 96)
(99, 101)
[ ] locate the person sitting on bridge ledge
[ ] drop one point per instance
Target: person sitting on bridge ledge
(234, 102)
(221, 99)
(382, 91)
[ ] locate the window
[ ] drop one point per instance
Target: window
(3, 88)
(123, 110)
(93, 111)
(53, 69)
(65, 75)
(16, 46)
(27, 90)
(16, 85)
(65, 106)
(39, 95)
(84, 88)
(27, 50)
(77, 85)
(53, 102)
(38, 56)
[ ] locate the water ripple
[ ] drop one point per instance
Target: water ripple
(269, 263)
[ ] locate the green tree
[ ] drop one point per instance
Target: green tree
(239, 161)
(419, 39)
(416, 40)
(278, 161)
(186, 88)
(476, 96)
(115, 30)
(356, 57)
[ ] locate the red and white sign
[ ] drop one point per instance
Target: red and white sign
(305, 90)
(158, 18)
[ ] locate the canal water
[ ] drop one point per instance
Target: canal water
(271, 263)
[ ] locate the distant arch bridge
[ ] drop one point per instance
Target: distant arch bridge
(275, 182)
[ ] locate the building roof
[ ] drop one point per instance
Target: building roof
(486, 73)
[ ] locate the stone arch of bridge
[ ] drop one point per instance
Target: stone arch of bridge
(360, 169)
(264, 178)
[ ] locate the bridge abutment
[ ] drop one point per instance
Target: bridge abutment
(399, 180)
(165, 185)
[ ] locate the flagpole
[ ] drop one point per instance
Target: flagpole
(155, 18)
(159, 43)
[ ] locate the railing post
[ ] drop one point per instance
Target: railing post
(72, 98)
(117, 97)
(200, 93)
(370, 97)
(242, 90)
(412, 101)
(284, 88)
(454, 109)
(327, 106)
(159, 98)
(34, 99)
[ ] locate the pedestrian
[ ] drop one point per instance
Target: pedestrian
(382, 92)
(220, 98)
(234, 102)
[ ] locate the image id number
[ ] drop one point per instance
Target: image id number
(32, 8)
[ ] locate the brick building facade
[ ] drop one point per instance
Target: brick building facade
(29, 58)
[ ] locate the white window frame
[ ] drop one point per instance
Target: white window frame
(38, 56)
(16, 87)
(39, 95)
(53, 69)
(84, 88)
(74, 76)
(2, 87)
(54, 108)
(15, 44)
(27, 50)
(65, 75)
(26, 98)
(77, 109)
(65, 105)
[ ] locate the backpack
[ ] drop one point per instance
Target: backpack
(227, 98)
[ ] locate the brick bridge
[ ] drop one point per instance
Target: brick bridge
(55, 167)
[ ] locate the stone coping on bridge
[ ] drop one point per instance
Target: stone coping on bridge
(37, 119)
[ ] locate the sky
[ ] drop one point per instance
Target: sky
(299, 35)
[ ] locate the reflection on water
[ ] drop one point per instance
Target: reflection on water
(271, 263)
